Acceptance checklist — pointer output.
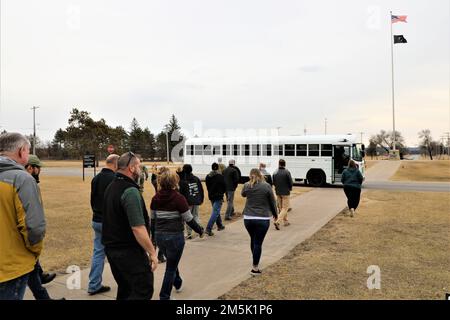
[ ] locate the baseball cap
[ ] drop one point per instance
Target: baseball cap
(33, 160)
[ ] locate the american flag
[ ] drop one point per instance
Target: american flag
(395, 19)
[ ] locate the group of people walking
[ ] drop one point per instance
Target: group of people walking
(124, 231)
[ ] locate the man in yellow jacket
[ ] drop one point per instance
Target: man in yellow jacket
(22, 222)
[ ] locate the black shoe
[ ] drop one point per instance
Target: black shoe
(220, 228)
(228, 219)
(47, 277)
(255, 272)
(101, 290)
(162, 259)
(209, 233)
(59, 299)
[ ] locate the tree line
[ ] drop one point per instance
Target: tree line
(84, 135)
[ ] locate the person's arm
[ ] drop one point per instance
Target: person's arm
(186, 215)
(290, 182)
(30, 213)
(132, 203)
(244, 190)
(93, 191)
(146, 172)
(200, 189)
(272, 203)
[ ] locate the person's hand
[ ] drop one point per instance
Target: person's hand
(153, 261)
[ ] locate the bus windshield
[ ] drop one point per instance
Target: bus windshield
(356, 152)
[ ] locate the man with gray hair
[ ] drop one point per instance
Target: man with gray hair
(22, 221)
(98, 188)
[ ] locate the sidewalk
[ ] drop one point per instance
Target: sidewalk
(212, 266)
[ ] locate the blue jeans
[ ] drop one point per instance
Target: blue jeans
(257, 229)
(14, 289)
(230, 205)
(98, 259)
(35, 284)
(172, 245)
(215, 215)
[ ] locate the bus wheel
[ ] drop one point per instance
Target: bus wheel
(316, 178)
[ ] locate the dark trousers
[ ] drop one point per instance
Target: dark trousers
(35, 284)
(132, 272)
(353, 196)
(14, 289)
(257, 230)
(172, 245)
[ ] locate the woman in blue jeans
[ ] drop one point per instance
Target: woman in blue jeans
(259, 208)
(169, 210)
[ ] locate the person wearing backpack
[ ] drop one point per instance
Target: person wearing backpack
(191, 188)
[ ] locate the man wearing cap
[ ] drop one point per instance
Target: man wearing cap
(38, 277)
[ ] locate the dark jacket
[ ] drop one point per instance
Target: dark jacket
(169, 209)
(260, 200)
(282, 181)
(191, 188)
(352, 177)
(98, 188)
(267, 176)
(231, 176)
(215, 184)
(116, 231)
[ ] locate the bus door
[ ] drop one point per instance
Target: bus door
(341, 156)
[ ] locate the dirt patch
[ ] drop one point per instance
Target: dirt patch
(404, 233)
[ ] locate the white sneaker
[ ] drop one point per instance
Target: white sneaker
(352, 212)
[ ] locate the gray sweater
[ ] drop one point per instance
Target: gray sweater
(260, 200)
(282, 181)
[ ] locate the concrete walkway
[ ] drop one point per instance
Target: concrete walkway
(212, 266)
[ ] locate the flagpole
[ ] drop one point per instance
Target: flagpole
(392, 66)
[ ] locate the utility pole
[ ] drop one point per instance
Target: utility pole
(392, 67)
(34, 128)
(304, 130)
(447, 135)
(325, 126)
(167, 145)
(361, 133)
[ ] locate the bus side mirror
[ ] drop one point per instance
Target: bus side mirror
(363, 147)
(363, 153)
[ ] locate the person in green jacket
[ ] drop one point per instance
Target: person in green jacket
(352, 180)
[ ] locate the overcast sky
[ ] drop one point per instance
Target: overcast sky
(227, 64)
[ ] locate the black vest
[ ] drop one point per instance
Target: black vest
(116, 232)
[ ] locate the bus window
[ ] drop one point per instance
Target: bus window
(267, 150)
(236, 150)
(301, 150)
(313, 150)
(245, 149)
(278, 150)
(226, 150)
(207, 150)
(255, 149)
(189, 150)
(216, 150)
(326, 150)
(198, 150)
(289, 149)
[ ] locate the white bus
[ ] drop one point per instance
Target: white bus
(316, 160)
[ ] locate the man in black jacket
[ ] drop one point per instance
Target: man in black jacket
(126, 233)
(282, 180)
(98, 187)
(231, 176)
(215, 184)
(191, 188)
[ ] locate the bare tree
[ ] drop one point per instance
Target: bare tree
(426, 141)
